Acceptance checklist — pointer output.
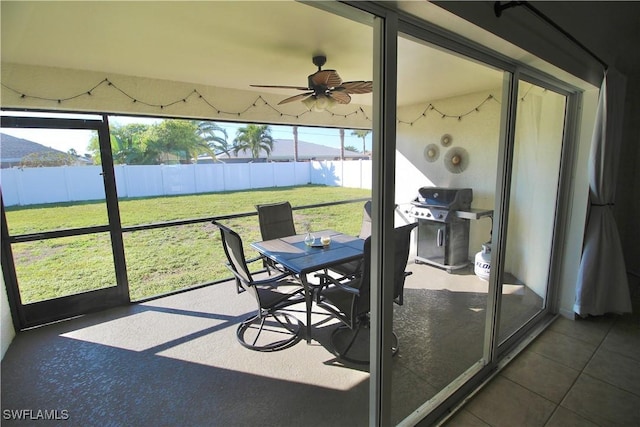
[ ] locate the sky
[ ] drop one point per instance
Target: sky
(64, 140)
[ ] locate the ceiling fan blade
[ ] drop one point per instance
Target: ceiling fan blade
(295, 98)
(328, 78)
(357, 87)
(282, 87)
(340, 96)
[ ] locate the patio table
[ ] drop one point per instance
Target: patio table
(292, 253)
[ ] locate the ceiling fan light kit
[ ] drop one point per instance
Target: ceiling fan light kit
(318, 103)
(324, 88)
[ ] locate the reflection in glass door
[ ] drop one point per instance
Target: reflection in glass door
(532, 205)
(448, 136)
(55, 219)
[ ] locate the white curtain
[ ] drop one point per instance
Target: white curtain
(602, 285)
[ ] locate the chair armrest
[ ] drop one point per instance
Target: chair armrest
(271, 280)
(258, 258)
(325, 278)
(235, 275)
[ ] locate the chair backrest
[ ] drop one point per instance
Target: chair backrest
(365, 229)
(363, 301)
(276, 220)
(402, 240)
(232, 244)
(402, 245)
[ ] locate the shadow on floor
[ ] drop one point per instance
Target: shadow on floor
(176, 361)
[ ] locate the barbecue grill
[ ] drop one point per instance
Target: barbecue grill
(443, 226)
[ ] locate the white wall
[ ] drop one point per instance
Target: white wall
(627, 207)
(576, 218)
(535, 175)
(478, 133)
(557, 51)
(5, 319)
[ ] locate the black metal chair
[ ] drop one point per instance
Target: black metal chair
(403, 244)
(351, 268)
(365, 228)
(348, 299)
(272, 295)
(276, 221)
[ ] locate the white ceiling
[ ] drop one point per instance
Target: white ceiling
(229, 44)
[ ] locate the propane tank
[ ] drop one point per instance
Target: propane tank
(482, 265)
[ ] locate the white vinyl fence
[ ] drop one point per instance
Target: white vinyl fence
(31, 186)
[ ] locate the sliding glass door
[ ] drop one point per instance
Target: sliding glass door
(480, 269)
(447, 138)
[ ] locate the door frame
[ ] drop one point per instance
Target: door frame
(33, 314)
(390, 23)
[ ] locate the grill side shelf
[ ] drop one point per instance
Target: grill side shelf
(474, 213)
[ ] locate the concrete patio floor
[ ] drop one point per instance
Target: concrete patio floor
(175, 360)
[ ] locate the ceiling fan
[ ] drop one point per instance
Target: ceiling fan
(325, 88)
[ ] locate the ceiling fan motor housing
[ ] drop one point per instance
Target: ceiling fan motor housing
(319, 61)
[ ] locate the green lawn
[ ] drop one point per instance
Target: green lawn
(158, 260)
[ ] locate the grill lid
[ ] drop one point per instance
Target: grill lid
(448, 198)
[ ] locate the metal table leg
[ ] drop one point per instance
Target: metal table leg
(308, 301)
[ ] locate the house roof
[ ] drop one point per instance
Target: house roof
(13, 149)
(283, 150)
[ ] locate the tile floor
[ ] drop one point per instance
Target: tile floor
(577, 373)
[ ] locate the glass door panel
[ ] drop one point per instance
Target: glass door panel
(532, 206)
(55, 217)
(447, 137)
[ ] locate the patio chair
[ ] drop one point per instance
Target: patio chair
(276, 221)
(348, 299)
(272, 295)
(350, 268)
(365, 228)
(403, 244)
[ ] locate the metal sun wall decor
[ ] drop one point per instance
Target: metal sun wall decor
(456, 159)
(431, 153)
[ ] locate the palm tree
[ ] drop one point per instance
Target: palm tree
(215, 135)
(362, 133)
(254, 138)
(127, 145)
(341, 144)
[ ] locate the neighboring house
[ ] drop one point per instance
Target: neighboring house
(283, 152)
(13, 150)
